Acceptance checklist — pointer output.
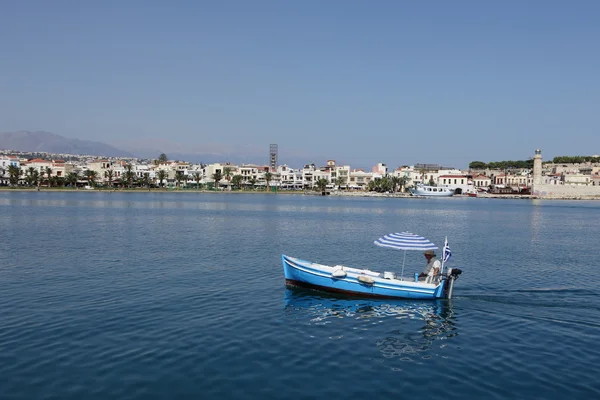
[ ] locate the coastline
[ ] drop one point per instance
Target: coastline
(292, 192)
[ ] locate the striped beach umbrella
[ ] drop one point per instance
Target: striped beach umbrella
(405, 241)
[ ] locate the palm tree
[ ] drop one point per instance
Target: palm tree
(179, 175)
(128, 175)
(161, 174)
(395, 180)
(72, 179)
(40, 177)
(91, 177)
(236, 181)
(340, 181)
(252, 181)
(197, 176)
(57, 181)
(403, 182)
(49, 175)
(322, 184)
(109, 174)
(145, 180)
(374, 185)
(217, 176)
(32, 176)
(227, 173)
(14, 173)
(268, 177)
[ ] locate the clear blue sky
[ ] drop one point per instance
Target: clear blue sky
(362, 82)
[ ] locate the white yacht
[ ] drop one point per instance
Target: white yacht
(422, 190)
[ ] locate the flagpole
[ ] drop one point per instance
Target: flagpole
(444, 254)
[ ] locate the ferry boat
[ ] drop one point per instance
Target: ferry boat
(423, 190)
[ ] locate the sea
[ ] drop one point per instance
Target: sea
(137, 295)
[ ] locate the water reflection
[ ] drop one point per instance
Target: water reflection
(403, 329)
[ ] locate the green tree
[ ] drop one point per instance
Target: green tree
(39, 177)
(227, 173)
(217, 176)
(236, 181)
(91, 177)
(145, 180)
(252, 182)
(32, 176)
(268, 177)
(49, 175)
(322, 184)
(477, 165)
(109, 174)
(197, 176)
(162, 175)
(395, 181)
(72, 179)
(179, 176)
(403, 182)
(14, 173)
(374, 185)
(339, 181)
(163, 158)
(129, 175)
(56, 181)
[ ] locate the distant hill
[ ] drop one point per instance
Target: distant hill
(52, 143)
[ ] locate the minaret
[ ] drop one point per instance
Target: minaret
(537, 168)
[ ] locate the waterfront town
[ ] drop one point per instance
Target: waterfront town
(44, 170)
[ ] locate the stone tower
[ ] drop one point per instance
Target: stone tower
(537, 168)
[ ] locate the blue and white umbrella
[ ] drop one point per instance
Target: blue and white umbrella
(405, 241)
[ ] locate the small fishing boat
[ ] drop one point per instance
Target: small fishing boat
(433, 191)
(364, 282)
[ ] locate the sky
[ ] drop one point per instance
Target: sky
(361, 82)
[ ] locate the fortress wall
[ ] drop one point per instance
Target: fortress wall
(566, 191)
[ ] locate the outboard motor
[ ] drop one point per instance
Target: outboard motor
(453, 274)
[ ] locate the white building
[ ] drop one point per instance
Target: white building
(460, 183)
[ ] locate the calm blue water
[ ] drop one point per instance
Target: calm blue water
(181, 295)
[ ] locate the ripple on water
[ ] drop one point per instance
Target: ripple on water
(136, 296)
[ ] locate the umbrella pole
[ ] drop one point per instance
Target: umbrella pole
(404, 259)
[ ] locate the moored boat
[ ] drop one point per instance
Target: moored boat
(433, 191)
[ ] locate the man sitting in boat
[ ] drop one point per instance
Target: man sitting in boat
(433, 265)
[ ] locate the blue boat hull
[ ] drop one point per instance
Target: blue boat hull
(305, 273)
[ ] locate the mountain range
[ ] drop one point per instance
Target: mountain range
(47, 142)
(56, 144)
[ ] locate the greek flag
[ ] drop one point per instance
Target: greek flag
(446, 254)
